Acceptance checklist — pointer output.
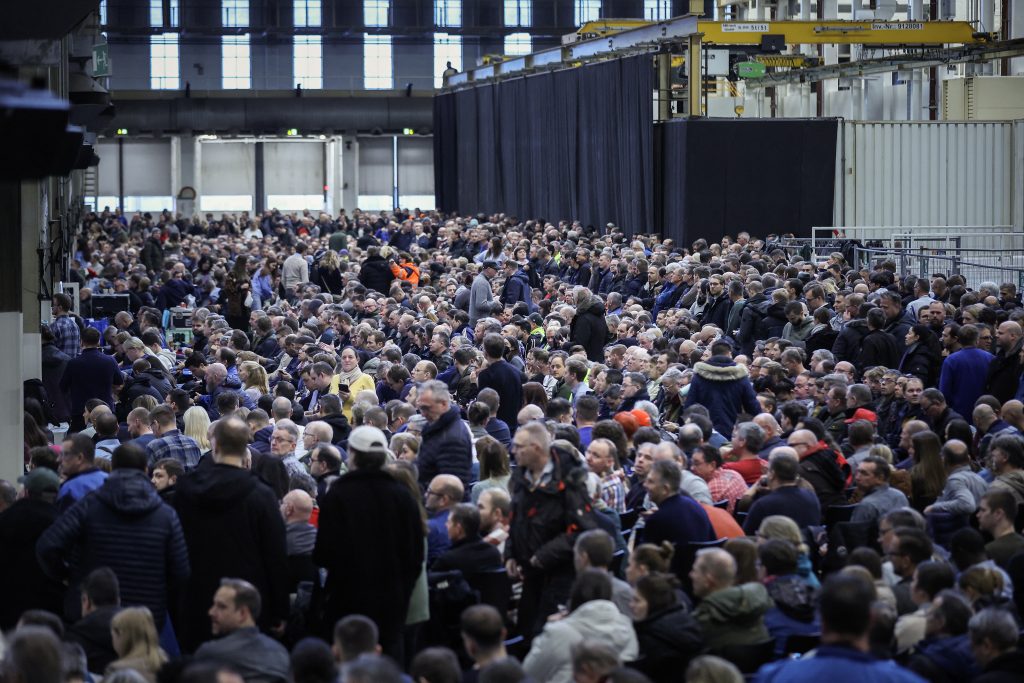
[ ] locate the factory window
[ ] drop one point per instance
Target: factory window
(225, 202)
(375, 13)
(103, 12)
(309, 62)
(657, 10)
(308, 13)
(296, 202)
(156, 13)
(164, 67)
(587, 10)
(235, 13)
(448, 13)
(236, 72)
(377, 67)
(518, 44)
(447, 48)
(518, 12)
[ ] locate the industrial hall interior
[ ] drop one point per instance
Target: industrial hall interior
(501, 341)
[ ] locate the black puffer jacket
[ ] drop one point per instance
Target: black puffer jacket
(589, 328)
(847, 344)
(547, 519)
(446, 448)
(668, 640)
(375, 274)
(124, 525)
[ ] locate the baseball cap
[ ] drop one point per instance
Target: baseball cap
(490, 264)
(40, 480)
(367, 439)
(862, 414)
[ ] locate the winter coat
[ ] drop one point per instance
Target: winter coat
(375, 274)
(821, 337)
(750, 322)
(23, 585)
(516, 289)
(794, 611)
(1006, 668)
(724, 388)
(328, 279)
(601, 281)
(716, 312)
(480, 297)
(368, 509)
(848, 342)
(734, 616)
(878, 348)
(124, 525)
(1012, 481)
(233, 527)
(504, 378)
(798, 333)
(152, 255)
(547, 518)
(590, 329)
(821, 470)
(679, 519)
(774, 321)
(1004, 372)
(668, 640)
(962, 380)
(944, 660)
(133, 388)
(234, 293)
(53, 363)
(633, 286)
(446, 448)
(597, 621)
(918, 360)
(92, 632)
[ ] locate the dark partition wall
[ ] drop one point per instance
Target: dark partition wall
(721, 176)
(574, 144)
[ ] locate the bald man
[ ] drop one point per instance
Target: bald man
(772, 431)
(819, 467)
(296, 508)
(444, 492)
(1004, 371)
(1013, 413)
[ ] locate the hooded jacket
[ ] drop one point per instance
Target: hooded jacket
(668, 640)
(589, 328)
(1012, 481)
(750, 321)
(795, 607)
(233, 527)
(799, 332)
(848, 343)
(724, 388)
(945, 660)
(124, 525)
(516, 289)
(878, 348)
(734, 616)
(822, 471)
(597, 621)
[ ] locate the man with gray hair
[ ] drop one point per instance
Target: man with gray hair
(689, 482)
(679, 519)
(994, 637)
(283, 442)
(780, 493)
(447, 446)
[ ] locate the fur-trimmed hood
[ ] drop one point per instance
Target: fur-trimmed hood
(720, 369)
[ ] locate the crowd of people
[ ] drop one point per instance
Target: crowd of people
(397, 446)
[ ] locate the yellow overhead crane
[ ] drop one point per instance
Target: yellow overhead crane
(821, 32)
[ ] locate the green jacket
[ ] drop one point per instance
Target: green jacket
(734, 616)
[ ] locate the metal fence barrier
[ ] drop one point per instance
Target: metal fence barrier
(925, 263)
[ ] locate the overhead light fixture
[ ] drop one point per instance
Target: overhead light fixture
(122, 131)
(292, 132)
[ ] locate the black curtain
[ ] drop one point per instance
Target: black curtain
(722, 176)
(574, 144)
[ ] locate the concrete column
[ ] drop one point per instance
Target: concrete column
(349, 173)
(332, 179)
(184, 151)
(13, 196)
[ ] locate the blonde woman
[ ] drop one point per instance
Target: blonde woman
(352, 377)
(254, 379)
(197, 424)
(136, 643)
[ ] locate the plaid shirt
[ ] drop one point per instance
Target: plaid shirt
(613, 492)
(174, 444)
(66, 335)
(727, 485)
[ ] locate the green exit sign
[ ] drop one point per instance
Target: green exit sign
(100, 60)
(750, 70)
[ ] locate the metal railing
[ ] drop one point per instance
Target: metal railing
(1002, 237)
(998, 268)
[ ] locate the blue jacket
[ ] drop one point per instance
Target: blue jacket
(77, 486)
(679, 520)
(127, 527)
(92, 374)
(516, 289)
(836, 665)
(723, 387)
(666, 297)
(963, 379)
(601, 281)
(447, 448)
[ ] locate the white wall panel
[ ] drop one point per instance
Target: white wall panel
(376, 164)
(108, 168)
(147, 168)
(294, 168)
(415, 166)
(927, 173)
(228, 168)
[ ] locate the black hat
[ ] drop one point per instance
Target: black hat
(490, 264)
